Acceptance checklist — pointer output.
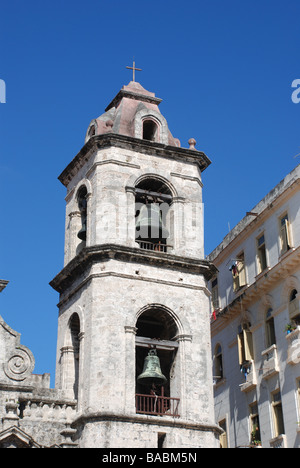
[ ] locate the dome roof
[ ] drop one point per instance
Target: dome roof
(133, 112)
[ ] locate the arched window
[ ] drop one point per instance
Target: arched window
(74, 332)
(92, 131)
(156, 352)
(270, 328)
(293, 295)
(150, 130)
(153, 199)
(82, 206)
(294, 309)
(218, 363)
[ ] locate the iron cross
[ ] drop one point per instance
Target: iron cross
(134, 69)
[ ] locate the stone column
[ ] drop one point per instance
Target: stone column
(130, 193)
(130, 333)
(68, 368)
(73, 240)
(178, 225)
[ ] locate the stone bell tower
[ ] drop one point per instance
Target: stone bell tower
(133, 333)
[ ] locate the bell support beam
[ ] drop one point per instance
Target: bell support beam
(144, 342)
(154, 194)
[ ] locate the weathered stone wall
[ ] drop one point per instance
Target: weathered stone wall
(31, 414)
(110, 175)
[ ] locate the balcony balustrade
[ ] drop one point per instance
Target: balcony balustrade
(157, 405)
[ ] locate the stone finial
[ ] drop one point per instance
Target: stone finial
(11, 417)
(192, 143)
(109, 124)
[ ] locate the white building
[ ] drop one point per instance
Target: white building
(256, 362)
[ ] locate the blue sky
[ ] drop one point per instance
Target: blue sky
(224, 70)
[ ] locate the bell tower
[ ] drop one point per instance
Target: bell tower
(133, 345)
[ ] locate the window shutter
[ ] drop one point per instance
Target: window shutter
(242, 273)
(284, 234)
(223, 440)
(241, 348)
(248, 345)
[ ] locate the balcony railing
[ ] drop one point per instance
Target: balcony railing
(293, 340)
(151, 246)
(157, 405)
(294, 308)
(270, 362)
(248, 369)
(278, 442)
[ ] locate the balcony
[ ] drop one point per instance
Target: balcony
(248, 369)
(270, 365)
(157, 405)
(160, 247)
(293, 339)
(294, 308)
(278, 442)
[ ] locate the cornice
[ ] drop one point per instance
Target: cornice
(133, 95)
(3, 284)
(247, 225)
(263, 285)
(97, 253)
(84, 418)
(135, 144)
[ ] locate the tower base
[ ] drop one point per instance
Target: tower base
(114, 431)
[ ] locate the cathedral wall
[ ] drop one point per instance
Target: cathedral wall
(110, 303)
(131, 434)
(110, 176)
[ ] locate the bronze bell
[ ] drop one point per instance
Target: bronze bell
(152, 373)
(82, 233)
(149, 224)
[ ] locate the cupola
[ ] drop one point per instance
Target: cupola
(134, 113)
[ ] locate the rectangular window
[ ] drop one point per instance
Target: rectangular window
(245, 344)
(239, 272)
(215, 294)
(254, 425)
(277, 414)
(161, 440)
(270, 329)
(261, 253)
(284, 233)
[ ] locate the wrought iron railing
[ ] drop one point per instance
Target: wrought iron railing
(157, 405)
(151, 246)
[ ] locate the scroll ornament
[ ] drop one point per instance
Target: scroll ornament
(20, 364)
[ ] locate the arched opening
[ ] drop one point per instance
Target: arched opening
(74, 332)
(153, 199)
(92, 131)
(82, 206)
(293, 295)
(150, 130)
(294, 307)
(156, 352)
(70, 354)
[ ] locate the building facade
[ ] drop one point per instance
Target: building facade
(133, 349)
(256, 324)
